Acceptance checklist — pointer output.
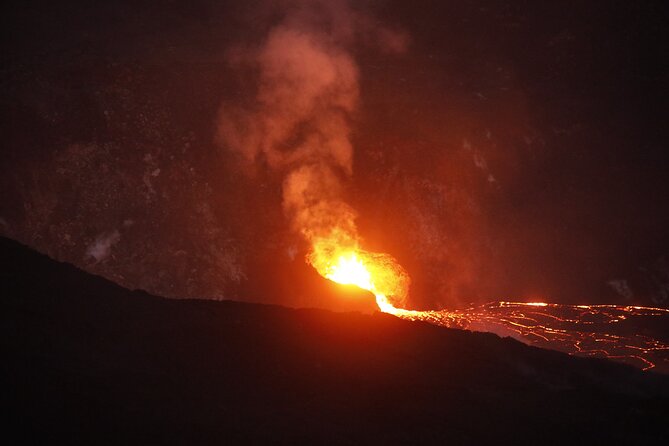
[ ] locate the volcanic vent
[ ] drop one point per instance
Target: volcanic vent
(299, 125)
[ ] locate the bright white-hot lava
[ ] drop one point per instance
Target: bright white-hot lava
(349, 270)
(378, 273)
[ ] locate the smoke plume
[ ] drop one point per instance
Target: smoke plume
(299, 123)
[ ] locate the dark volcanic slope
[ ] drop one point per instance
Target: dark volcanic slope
(86, 360)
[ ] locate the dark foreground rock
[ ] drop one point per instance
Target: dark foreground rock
(86, 361)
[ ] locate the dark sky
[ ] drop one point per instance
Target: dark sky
(517, 150)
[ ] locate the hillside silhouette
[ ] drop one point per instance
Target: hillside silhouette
(87, 361)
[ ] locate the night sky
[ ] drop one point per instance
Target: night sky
(512, 150)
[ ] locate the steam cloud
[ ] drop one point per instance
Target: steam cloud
(101, 247)
(300, 121)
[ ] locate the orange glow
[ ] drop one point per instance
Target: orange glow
(583, 330)
(378, 273)
(349, 270)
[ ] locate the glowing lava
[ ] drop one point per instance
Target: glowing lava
(378, 273)
(630, 334)
(349, 270)
(614, 332)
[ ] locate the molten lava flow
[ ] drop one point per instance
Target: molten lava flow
(606, 331)
(620, 333)
(377, 273)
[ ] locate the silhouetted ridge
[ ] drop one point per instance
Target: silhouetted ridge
(87, 361)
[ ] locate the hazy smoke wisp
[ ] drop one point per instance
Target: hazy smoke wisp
(299, 123)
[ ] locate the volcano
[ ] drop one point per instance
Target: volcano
(87, 361)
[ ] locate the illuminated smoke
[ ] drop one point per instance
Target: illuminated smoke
(300, 121)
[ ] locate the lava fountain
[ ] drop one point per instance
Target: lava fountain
(378, 273)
